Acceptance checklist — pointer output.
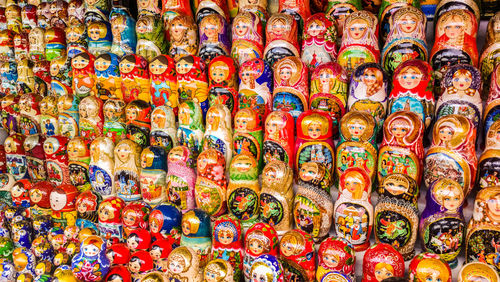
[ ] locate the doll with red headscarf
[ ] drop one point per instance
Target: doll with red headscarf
(192, 81)
(159, 251)
(134, 216)
(110, 223)
(135, 78)
(279, 138)
(86, 209)
(382, 261)
(297, 255)
(260, 239)
(163, 80)
(40, 198)
(318, 46)
(62, 202)
(211, 183)
(335, 254)
(20, 194)
(227, 243)
(84, 78)
(223, 87)
(57, 159)
(139, 240)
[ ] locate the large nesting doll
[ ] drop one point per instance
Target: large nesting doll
(49, 116)
(122, 27)
(108, 80)
(279, 138)
(223, 87)
(163, 79)
(35, 157)
(183, 265)
(247, 36)
(260, 239)
(318, 46)
(281, 38)
(62, 202)
(227, 243)
(68, 115)
(83, 74)
(183, 37)
(191, 129)
(134, 78)
(181, 178)
(248, 135)
(76, 37)
(151, 39)
(100, 37)
(163, 128)
(196, 233)
(126, 170)
(211, 182)
(101, 166)
(214, 37)
(40, 199)
(86, 205)
(489, 55)
(110, 218)
(57, 159)
(114, 119)
(91, 120)
(335, 254)
(55, 43)
(218, 134)
(153, 175)
(192, 81)
(79, 159)
(488, 165)
(426, 266)
(298, 256)
(91, 263)
(138, 122)
(60, 78)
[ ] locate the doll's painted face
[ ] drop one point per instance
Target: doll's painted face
(279, 27)
(81, 207)
(211, 29)
(132, 243)
(494, 207)
(454, 27)
(131, 114)
(134, 266)
(126, 66)
(102, 64)
(314, 130)
(325, 76)
(176, 265)
(186, 228)
(315, 28)
(395, 186)
(353, 183)
(410, 77)
(226, 237)
(159, 118)
(246, 76)
(176, 154)
(18, 190)
(105, 212)
(241, 27)
(446, 133)
(400, 128)
(308, 172)
(157, 67)
(48, 148)
(54, 69)
(256, 246)
(123, 152)
(73, 36)
(462, 80)
(183, 66)
(129, 219)
(35, 196)
(80, 62)
(358, 29)
(273, 126)
(408, 22)
(57, 201)
(285, 73)
(219, 73)
(94, 32)
(184, 114)
(331, 259)
(383, 271)
(177, 30)
(370, 76)
(142, 26)
(90, 250)
(356, 127)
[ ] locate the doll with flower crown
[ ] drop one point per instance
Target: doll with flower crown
(211, 182)
(227, 243)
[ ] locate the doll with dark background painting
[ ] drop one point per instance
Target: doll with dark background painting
(151, 40)
(183, 37)
(108, 79)
(338, 10)
(192, 81)
(138, 122)
(281, 38)
(153, 176)
(318, 46)
(218, 133)
(123, 30)
(61, 81)
(489, 56)
(114, 119)
(196, 233)
(211, 182)
(25, 79)
(100, 37)
(247, 36)
(35, 156)
(223, 87)
(248, 135)
(181, 178)
(134, 78)
(96, 10)
(489, 170)
(79, 159)
(163, 78)
(91, 120)
(69, 116)
(163, 128)
(279, 138)
(41, 69)
(214, 37)
(492, 103)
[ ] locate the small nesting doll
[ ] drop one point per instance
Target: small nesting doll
(279, 138)
(211, 182)
(183, 265)
(87, 204)
(214, 37)
(248, 135)
(40, 199)
(488, 166)
(335, 254)
(165, 223)
(55, 43)
(223, 88)
(62, 202)
(260, 239)
(76, 37)
(192, 81)
(183, 37)
(281, 38)
(359, 41)
(126, 170)
(110, 220)
(474, 270)
(49, 116)
(163, 79)
(108, 80)
(196, 233)
(29, 122)
(122, 28)
(7, 44)
(318, 46)
(134, 78)
(101, 166)
(153, 175)
(218, 134)
(25, 79)
(218, 269)
(248, 41)
(267, 268)
(35, 156)
(488, 60)
(191, 129)
(114, 119)
(181, 178)
(135, 217)
(297, 254)
(382, 261)
(91, 118)
(60, 76)
(100, 37)
(140, 264)
(163, 128)
(227, 243)
(91, 263)
(57, 159)
(442, 224)
(138, 121)
(151, 39)
(291, 86)
(79, 159)
(159, 251)
(427, 266)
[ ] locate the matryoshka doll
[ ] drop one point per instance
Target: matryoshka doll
(79, 159)
(163, 128)
(87, 204)
(126, 171)
(488, 60)
(29, 121)
(218, 134)
(353, 211)
(140, 264)
(21, 46)
(474, 270)
(386, 14)
(110, 219)
(318, 46)
(159, 251)
(183, 264)
(134, 78)
(211, 182)
(382, 261)
(114, 119)
(222, 80)
(29, 16)
(214, 37)
(135, 217)
(337, 11)
(196, 233)
(62, 202)
(192, 82)
(49, 116)
(279, 138)
(138, 121)
(267, 268)
(428, 266)
(205, 8)
(7, 51)
(91, 118)
(10, 112)
(108, 79)
(191, 129)
(165, 223)
(7, 181)
(83, 74)
(297, 254)
(181, 178)
(55, 43)
(183, 37)
(76, 37)
(8, 86)
(335, 254)
(21, 198)
(148, 7)
(151, 39)
(247, 36)
(489, 168)
(281, 38)
(227, 243)
(35, 157)
(100, 37)
(248, 135)
(122, 28)
(91, 263)
(101, 166)
(260, 239)
(154, 175)
(60, 76)
(163, 79)
(16, 156)
(442, 223)
(258, 8)
(26, 77)
(359, 41)
(492, 102)
(218, 269)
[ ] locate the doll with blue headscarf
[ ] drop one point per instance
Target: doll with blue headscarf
(108, 80)
(123, 30)
(91, 263)
(100, 37)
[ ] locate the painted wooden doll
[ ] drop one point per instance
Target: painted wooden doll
(192, 81)
(101, 166)
(165, 223)
(79, 159)
(281, 38)
(218, 133)
(163, 81)
(40, 199)
(279, 138)
(337, 11)
(91, 263)
(386, 14)
(190, 131)
(291, 86)
(49, 115)
(76, 11)
(29, 122)
(477, 269)
(55, 43)
(489, 58)
(260, 239)
(25, 78)
(382, 261)
(151, 39)
(297, 255)
(134, 78)
(214, 37)
(318, 46)
(36, 39)
(57, 159)
(61, 81)
(183, 37)
(353, 211)
(359, 41)
(9, 76)
(335, 254)
(248, 135)
(247, 36)
(227, 243)
(183, 265)
(35, 157)
(62, 202)
(100, 37)
(135, 218)
(69, 117)
(36, 44)
(492, 102)
(108, 79)
(222, 83)
(114, 119)
(138, 121)
(21, 46)
(76, 37)
(126, 171)
(427, 266)
(196, 233)
(83, 74)
(267, 267)
(211, 182)
(148, 7)
(442, 224)
(181, 178)
(208, 7)
(488, 166)
(258, 8)
(122, 28)
(153, 175)
(21, 200)
(172, 8)
(86, 205)
(91, 118)
(452, 154)
(163, 128)
(256, 87)
(218, 269)
(412, 90)
(110, 219)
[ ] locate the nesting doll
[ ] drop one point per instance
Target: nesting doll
(359, 41)
(61, 80)
(412, 90)
(248, 135)
(181, 178)
(211, 182)
(68, 117)
(205, 8)
(39, 195)
(55, 43)
(267, 268)
(62, 202)
(281, 38)
(260, 239)
(222, 83)
(256, 87)
(474, 270)
(134, 78)
(227, 243)
(126, 171)
(16, 156)
(192, 81)
(279, 138)
(183, 265)
(258, 8)
(291, 86)
(79, 159)
(335, 254)
(91, 263)
(163, 128)
(183, 36)
(29, 16)
(196, 233)
(76, 11)
(135, 217)
(83, 74)
(318, 46)
(452, 153)
(297, 255)
(148, 7)
(159, 251)
(382, 261)
(165, 223)
(114, 119)
(8, 86)
(214, 37)
(7, 181)
(49, 116)
(402, 149)
(138, 121)
(76, 37)
(151, 39)
(153, 177)
(218, 269)
(247, 36)
(86, 209)
(100, 37)
(108, 79)
(21, 46)
(122, 28)
(29, 122)
(488, 166)
(110, 221)
(91, 118)
(25, 77)
(428, 266)
(35, 157)
(163, 81)
(406, 38)
(101, 166)
(190, 131)
(218, 134)
(489, 55)
(36, 39)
